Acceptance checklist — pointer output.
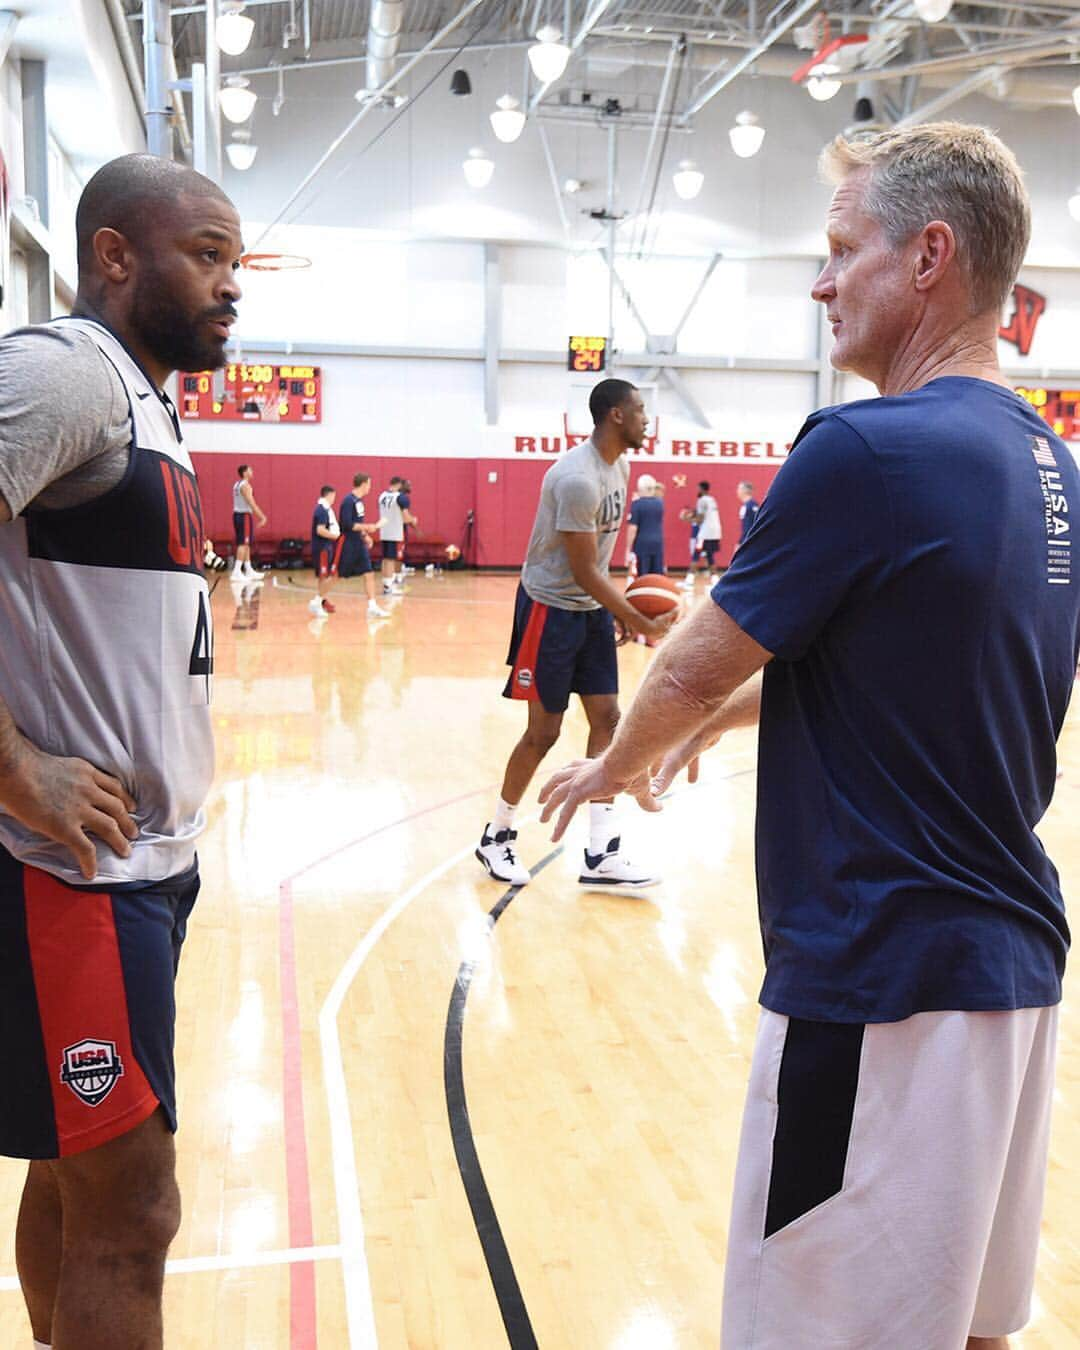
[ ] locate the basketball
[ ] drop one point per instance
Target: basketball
(653, 595)
(453, 552)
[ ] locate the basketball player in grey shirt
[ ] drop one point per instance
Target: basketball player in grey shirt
(563, 641)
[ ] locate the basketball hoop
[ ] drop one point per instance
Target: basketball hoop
(274, 262)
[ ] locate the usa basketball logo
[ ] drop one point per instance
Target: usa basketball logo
(525, 678)
(91, 1069)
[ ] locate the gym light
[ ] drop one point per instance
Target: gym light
(932, 11)
(746, 135)
(240, 151)
(234, 30)
(1074, 205)
(478, 168)
(549, 55)
(1076, 99)
(688, 180)
(821, 85)
(237, 100)
(507, 121)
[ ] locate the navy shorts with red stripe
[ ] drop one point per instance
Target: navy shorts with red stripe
(391, 550)
(87, 1007)
(325, 554)
(243, 523)
(558, 652)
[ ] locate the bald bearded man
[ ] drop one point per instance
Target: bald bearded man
(106, 752)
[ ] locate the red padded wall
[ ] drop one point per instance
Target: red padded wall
(286, 487)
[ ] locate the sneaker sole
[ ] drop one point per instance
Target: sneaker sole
(507, 881)
(599, 884)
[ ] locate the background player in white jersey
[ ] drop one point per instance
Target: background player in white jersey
(245, 509)
(564, 631)
(394, 511)
(707, 515)
(106, 749)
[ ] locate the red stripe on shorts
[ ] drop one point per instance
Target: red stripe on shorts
(99, 1090)
(249, 528)
(523, 676)
(337, 555)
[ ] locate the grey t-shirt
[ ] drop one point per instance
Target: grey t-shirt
(65, 425)
(582, 494)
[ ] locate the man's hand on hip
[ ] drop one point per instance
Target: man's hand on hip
(67, 800)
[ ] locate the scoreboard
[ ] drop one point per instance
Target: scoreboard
(586, 354)
(252, 393)
(1059, 408)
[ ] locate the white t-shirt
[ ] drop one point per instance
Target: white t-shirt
(710, 517)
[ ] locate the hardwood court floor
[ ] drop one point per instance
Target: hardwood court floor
(605, 1042)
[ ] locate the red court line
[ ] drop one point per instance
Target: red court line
(303, 1321)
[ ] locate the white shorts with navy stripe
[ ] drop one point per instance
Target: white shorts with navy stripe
(890, 1182)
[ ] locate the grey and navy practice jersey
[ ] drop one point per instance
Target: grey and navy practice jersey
(108, 645)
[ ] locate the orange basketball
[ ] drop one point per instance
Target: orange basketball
(453, 552)
(653, 595)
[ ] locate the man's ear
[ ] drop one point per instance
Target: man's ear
(113, 255)
(937, 251)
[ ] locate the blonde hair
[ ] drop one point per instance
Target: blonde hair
(962, 175)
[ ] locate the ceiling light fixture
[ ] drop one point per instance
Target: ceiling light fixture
(572, 185)
(507, 121)
(549, 55)
(460, 83)
(240, 151)
(821, 84)
(236, 98)
(1074, 205)
(932, 11)
(688, 180)
(478, 168)
(234, 29)
(746, 135)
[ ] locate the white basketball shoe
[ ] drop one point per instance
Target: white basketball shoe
(612, 870)
(496, 852)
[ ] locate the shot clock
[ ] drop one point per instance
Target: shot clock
(587, 355)
(252, 393)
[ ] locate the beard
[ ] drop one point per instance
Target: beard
(172, 335)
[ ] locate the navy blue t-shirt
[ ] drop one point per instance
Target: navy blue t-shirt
(647, 513)
(910, 572)
(747, 515)
(320, 516)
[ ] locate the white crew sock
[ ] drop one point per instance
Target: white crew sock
(238, 570)
(504, 816)
(603, 826)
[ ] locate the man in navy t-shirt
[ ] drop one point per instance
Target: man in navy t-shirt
(910, 590)
(748, 509)
(645, 529)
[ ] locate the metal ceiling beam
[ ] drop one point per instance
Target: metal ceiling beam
(366, 108)
(1003, 54)
(722, 81)
(947, 97)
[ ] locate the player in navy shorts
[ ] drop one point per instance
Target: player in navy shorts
(106, 743)
(325, 550)
(563, 641)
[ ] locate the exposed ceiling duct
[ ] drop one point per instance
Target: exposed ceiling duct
(383, 40)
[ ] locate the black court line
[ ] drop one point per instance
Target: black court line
(515, 1315)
